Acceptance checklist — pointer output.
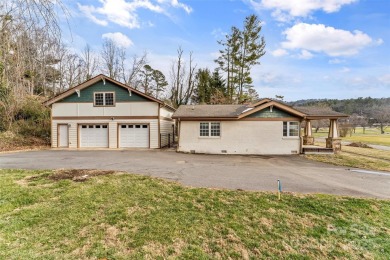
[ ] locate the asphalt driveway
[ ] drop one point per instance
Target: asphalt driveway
(296, 173)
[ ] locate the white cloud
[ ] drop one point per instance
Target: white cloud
(285, 10)
(176, 4)
(279, 52)
(124, 12)
(119, 38)
(336, 61)
(305, 55)
(320, 38)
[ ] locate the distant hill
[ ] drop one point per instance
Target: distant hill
(351, 106)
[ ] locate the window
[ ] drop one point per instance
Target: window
(210, 129)
(290, 129)
(104, 99)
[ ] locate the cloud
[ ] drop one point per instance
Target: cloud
(124, 12)
(305, 55)
(320, 38)
(279, 53)
(285, 10)
(119, 38)
(336, 61)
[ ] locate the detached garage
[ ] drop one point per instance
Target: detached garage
(104, 113)
(93, 135)
(133, 135)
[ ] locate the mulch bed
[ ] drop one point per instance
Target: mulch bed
(78, 175)
(359, 144)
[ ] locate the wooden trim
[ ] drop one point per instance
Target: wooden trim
(58, 135)
(51, 127)
(166, 118)
(78, 136)
(117, 135)
(149, 135)
(95, 80)
(206, 118)
(260, 102)
(102, 117)
(159, 128)
(325, 117)
(275, 104)
(271, 119)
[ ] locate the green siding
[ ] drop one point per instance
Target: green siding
(121, 94)
(266, 113)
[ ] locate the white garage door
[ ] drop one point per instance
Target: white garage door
(93, 136)
(134, 135)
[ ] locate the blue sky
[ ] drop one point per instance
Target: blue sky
(315, 48)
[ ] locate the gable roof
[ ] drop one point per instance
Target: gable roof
(240, 111)
(96, 79)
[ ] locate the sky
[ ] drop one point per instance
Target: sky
(315, 49)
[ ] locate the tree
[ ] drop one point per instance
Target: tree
(182, 81)
(160, 82)
(90, 63)
(242, 51)
(112, 55)
(381, 116)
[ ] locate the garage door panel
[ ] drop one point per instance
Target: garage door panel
(94, 136)
(134, 135)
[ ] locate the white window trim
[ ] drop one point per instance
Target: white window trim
(209, 136)
(104, 99)
(288, 130)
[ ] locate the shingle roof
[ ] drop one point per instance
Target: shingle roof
(321, 112)
(223, 111)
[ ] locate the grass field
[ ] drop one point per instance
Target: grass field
(123, 216)
(371, 136)
(356, 157)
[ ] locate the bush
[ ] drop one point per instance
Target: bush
(32, 119)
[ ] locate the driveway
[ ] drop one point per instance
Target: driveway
(260, 173)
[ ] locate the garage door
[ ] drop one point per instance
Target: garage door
(93, 135)
(134, 135)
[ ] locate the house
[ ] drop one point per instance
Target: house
(266, 127)
(104, 113)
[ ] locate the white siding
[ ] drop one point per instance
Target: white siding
(239, 137)
(120, 109)
(112, 130)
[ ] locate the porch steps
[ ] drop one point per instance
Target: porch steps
(317, 150)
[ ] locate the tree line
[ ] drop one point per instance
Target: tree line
(363, 111)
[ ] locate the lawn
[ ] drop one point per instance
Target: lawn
(371, 136)
(125, 216)
(356, 157)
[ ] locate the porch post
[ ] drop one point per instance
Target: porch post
(308, 139)
(333, 140)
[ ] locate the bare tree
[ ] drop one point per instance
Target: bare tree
(111, 55)
(90, 62)
(182, 82)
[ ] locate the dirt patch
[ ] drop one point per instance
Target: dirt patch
(78, 175)
(359, 144)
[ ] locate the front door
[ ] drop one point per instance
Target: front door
(63, 136)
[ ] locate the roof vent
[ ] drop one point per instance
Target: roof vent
(193, 107)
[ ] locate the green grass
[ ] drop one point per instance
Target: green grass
(371, 136)
(125, 216)
(356, 157)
